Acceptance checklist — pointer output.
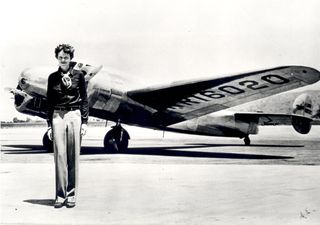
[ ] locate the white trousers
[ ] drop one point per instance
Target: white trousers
(66, 127)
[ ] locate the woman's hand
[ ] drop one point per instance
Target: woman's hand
(83, 129)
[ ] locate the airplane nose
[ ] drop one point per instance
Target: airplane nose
(33, 80)
(23, 79)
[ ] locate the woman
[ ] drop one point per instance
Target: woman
(67, 119)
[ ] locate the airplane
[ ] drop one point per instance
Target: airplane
(193, 107)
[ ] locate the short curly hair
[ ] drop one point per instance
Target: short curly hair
(66, 48)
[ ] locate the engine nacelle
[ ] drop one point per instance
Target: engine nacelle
(302, 106)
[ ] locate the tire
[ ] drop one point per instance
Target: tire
(47, 143)
(123, 145)
(112, 142)
(109, 143)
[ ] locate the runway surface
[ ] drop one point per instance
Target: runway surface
(175, 179)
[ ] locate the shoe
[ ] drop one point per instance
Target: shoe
(70, 204)
(58, 205)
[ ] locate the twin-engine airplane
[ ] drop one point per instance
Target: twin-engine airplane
(192, 107)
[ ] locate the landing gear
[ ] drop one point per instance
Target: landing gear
(246, 140)
(117, 139)
(47, 143)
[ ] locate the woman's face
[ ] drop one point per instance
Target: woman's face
(64, 60)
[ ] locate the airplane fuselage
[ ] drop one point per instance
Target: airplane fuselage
(192, 107)
(108, 100)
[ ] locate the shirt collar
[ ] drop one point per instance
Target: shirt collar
(69, 72)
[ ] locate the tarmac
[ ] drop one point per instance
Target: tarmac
(175, 179)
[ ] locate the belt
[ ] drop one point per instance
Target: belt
(66, 108)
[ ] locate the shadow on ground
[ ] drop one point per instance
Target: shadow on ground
(24, 149)
(174, 151)
(47, 202)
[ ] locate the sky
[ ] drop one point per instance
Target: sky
(158, 41)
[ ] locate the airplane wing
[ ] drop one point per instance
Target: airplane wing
(88, 70)
(187, 100)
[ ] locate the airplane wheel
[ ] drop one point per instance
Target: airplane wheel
(116, 140)
(246, 140)
(47, 143)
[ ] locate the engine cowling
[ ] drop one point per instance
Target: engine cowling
(303, 107)
(25, 103)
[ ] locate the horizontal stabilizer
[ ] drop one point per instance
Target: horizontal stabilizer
(269, 119)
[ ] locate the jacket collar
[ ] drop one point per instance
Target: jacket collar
(70, 71)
